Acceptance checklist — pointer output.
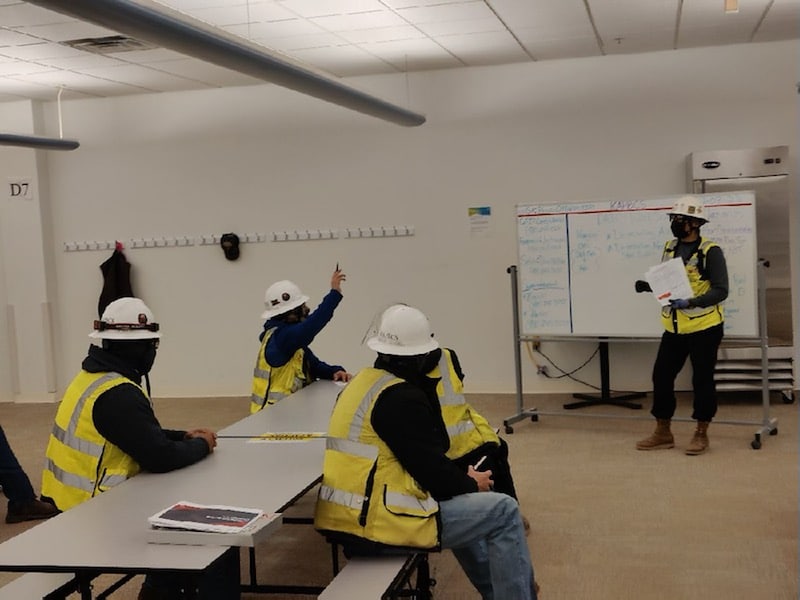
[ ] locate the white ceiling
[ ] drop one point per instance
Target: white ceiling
(362, 37)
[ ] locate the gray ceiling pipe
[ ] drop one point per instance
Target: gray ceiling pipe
(170, 29)
(32, 141)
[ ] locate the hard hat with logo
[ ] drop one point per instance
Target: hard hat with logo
(403, 331)
(689, 206)
(126, 319)
(282, 296)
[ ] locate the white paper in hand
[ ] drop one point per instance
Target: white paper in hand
(668, 281)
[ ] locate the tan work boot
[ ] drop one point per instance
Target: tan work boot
(660, 439)
(699, 443)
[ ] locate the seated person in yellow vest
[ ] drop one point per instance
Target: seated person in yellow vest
(387, 482)
(693, 328)
(285, 363)
(472, 439)
(105, 425)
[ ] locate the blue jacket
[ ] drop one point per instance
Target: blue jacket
(288, 338)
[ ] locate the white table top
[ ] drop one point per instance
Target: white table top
(307, 410)
(108, 533)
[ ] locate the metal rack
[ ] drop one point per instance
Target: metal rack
(767, 424)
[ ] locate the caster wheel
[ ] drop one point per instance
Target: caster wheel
(535, 418)
(773, 431)
(755, 444)
(509, 429)
(788, 397)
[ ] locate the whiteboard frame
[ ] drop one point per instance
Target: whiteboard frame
(550, 306)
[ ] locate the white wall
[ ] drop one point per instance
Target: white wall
(27, 272)
(261, 159)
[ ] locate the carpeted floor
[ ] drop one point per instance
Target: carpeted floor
(608, 522)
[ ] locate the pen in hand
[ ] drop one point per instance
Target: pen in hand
(479, 463)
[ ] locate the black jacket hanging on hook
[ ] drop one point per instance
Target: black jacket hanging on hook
(116, 279)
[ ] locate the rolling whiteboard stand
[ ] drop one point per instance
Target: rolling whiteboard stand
(521, 413)
(605, 396)
(767, 425)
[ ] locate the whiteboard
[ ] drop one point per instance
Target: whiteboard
(578, 264)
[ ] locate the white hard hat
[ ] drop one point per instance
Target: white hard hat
(126, 319)
(403, 331)
(690, 206)
(282, 296)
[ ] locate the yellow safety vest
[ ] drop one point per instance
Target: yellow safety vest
(695, 318)
(79, 462)
(466, 428)
(365, 491)
(270, 385)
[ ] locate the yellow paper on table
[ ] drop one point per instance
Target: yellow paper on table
(294, 436)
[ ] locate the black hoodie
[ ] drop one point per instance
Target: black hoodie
(408, 418)
(124, 416)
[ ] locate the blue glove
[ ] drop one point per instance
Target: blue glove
(680, 303)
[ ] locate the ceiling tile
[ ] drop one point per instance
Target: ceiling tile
(314, 8)
(382, 34)
(15, 38)
(462, 27)
(343, 61)
(562, 48)
(23, 14)
(39, 50)
(209, 74)
(354, 22)
(274, 29)
(409, 55)
(69, 30)
(457, 11)
(484, 48)
(301, 42)
(19, 67)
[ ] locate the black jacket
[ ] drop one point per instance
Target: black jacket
(408, 418)
(124, 416)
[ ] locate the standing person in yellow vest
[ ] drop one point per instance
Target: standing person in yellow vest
(105, 432)
(387, 480)
(285, 363)
(693, 328)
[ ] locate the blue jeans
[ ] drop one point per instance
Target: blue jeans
(16, 485)
(485, 532)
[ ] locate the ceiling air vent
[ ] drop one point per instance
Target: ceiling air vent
(111, 44)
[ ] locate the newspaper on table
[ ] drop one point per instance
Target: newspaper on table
(669, 281)
(212, 518)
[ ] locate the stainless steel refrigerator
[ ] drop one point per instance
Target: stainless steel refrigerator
(765, 171)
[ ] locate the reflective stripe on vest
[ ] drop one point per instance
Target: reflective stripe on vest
(466, 428)
(79, 462)
(271, 385)
(365, 491)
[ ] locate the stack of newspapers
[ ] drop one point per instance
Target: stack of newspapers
(191, 523)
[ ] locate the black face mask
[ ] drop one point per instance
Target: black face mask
(138, 354)
(410, 367)
(678, 229)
